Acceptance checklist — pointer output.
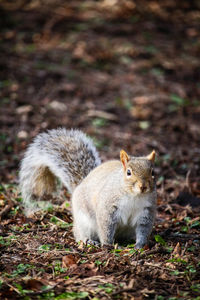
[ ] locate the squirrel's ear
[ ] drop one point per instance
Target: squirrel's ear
(124, 158)
(152, 156)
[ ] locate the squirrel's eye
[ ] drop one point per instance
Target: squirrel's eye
(152, 173)
(128, 172)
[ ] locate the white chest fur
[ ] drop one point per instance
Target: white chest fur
(131, 207)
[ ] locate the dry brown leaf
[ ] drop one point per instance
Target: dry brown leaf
(69, 261)
(35, 284)
(177, 250)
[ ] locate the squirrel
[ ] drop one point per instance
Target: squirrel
(114, 200)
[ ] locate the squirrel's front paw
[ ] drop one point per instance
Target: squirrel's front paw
(139, 245)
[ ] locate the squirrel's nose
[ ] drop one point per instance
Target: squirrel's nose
(143, 188)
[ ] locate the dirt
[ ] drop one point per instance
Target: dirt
(127, 73)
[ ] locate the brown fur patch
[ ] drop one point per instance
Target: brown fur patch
(141, 167)
(45, 182)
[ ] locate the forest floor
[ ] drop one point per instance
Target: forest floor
(126, 73)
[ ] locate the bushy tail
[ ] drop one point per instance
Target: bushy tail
(65, 154)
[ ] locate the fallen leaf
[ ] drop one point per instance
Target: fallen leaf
(69, 261)
(34, 284)
(177, 250)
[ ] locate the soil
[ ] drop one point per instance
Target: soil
(128, 74)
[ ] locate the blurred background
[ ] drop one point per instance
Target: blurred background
(125, 72)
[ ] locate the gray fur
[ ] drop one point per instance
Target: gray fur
(107, 203)
(105, 210)
(144, 227)
(67, 154)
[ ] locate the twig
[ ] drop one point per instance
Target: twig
(42, 291)
(60, 220)
(31, 230)
(184, 235)
(123, 291)
(153, 251)
(187, 181)
(101, 114)
(14, 288)
(157, 266)
(183, 252)
(6, 209)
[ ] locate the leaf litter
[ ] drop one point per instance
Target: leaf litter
(127, 74)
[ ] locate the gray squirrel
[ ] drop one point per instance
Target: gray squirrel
(115, 200)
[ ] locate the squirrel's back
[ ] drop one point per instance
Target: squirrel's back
(108, 173)
(66, 154)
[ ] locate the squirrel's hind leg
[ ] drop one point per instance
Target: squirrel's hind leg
(107, 224)
(84, 228)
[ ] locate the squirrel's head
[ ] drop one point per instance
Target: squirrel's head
(138, 172)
